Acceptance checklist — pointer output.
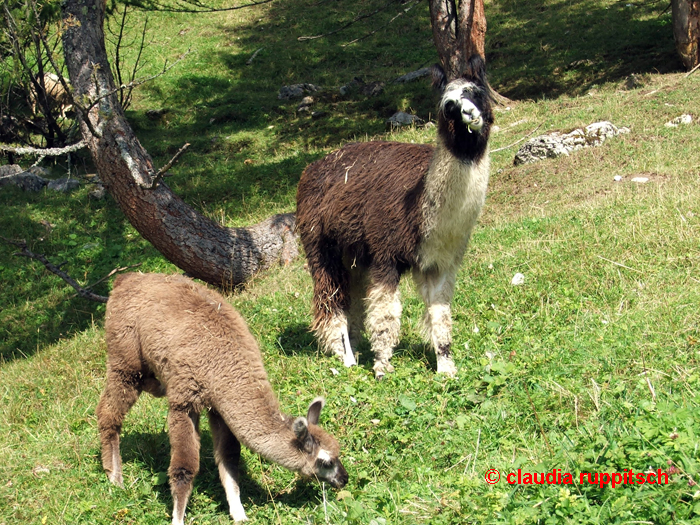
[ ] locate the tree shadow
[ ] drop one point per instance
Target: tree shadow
(555, 48)
(39, 308)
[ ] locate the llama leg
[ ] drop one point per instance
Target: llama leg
(356, 311)
(227, 453)
(331, 301)
(383, 322)
(184, 458)
(121, 391)
(437, 289)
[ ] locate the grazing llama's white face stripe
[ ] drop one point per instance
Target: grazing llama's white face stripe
(454, 92)
(323, 455)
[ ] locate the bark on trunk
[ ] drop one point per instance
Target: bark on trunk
(686, 30)
(459, 31)
(220, 256)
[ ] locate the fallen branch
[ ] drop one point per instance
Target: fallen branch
(44, 152)
(517, 141)
(250, 60)
(83, 292)
(692, 71)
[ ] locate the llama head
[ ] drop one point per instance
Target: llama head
(464, 111)
(321, 450)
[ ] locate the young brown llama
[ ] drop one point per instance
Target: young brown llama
(370, 211)
(168, 335)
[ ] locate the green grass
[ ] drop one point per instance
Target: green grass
(592, 365)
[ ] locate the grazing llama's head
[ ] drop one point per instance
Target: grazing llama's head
(319, 447)
(464, 112)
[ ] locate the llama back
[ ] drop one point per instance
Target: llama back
(366, 195)
(185, 335)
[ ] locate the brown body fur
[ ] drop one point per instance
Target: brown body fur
(169, 336)
(363, 204)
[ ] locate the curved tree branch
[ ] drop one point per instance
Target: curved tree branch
(220, 256)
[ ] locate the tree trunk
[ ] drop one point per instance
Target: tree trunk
(221, 256)
(459, 31)
(686, 30)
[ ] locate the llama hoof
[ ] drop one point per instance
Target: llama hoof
(349, 360)
(116, 479)
(239, 515)
(381, 369)
(446, 366)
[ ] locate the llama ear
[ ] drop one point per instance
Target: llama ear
(439, 79)
(301, 428)
(314, 413)
(476, 69)
(304, 438)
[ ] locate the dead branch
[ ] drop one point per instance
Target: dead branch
(200, 7)
(83, 292)
(250, 60)
(44, 152)
(161, 172)
(359, 17)
(400, 13)
(692, 71)
(136, 83)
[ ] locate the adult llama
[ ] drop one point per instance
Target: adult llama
(371, 211)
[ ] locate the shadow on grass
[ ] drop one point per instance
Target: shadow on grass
(85, 239)
(152, 452)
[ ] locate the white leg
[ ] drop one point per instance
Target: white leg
(227, 453)
(233, 494)
(384, 325)
(437, 290)
(334, 339)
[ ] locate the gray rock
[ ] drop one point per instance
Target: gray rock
(156, 114)
(98, 192)
(10, 169)
(372, 89)
(41, 172)
(400, 118)
(64, 185)
(684, 119)
(633, 82)
(305, 104)
(556, 144)
(414, 75)
(296, 91)
(25, 180)
(351, 86)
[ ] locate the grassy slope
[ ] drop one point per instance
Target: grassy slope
(590, 366)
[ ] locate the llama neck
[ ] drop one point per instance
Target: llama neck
(259, 424)
(454, 193)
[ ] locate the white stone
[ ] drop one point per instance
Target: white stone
(518, 279)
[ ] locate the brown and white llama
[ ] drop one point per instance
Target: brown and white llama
(370, 211)
(168, 335)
